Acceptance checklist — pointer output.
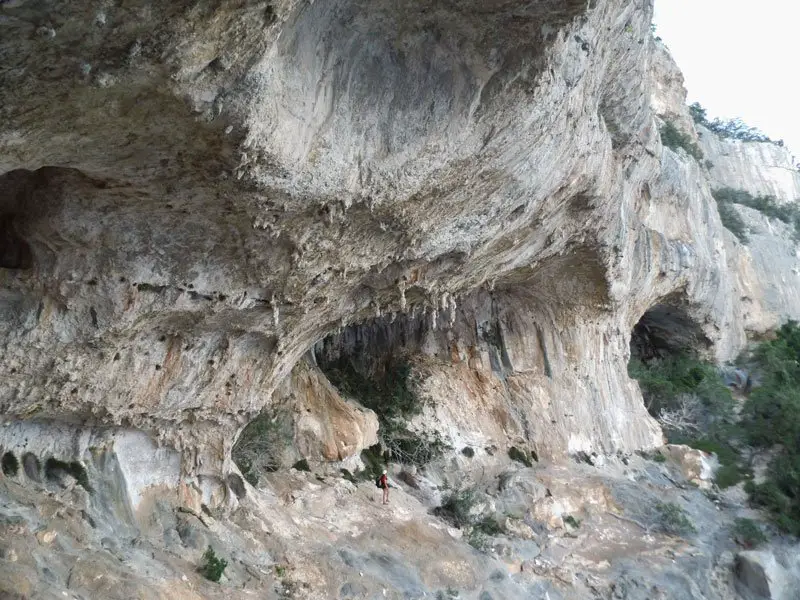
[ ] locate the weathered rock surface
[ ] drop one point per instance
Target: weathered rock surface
(199, 199)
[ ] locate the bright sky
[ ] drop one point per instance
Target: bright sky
(739, 58)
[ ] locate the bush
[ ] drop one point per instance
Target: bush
(572, 521)
(261, 445)
(664, 381)
(672, 138)
(521, 456)
(456, 508)
(394, 402)
(212, 567)
(711, 426)
(735, 129)
(771, 418)
(673, 519)
(747, 533)
(732, 221)
(767, 205)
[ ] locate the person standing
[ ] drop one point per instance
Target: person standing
(384, 481)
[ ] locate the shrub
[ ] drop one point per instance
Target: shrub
(767, 205)
(672, 138)
(655, 456)
(302, 465)
(520, 456)
(490, 526)
(732, 221)
(394, 402)
(663, 383)
(747, 533)
(213, 567)
(673, 519)
(261, 445)
(456, 508)
(770, 418)
(730, 128)
(572, 521)
(711, 426)
(373, 461)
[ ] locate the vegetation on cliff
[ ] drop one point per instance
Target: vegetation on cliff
(686, 395)
(734, 129)
(789, 213)
(674, 139)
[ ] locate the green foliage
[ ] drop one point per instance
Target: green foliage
(212, 567)
(373, 461)
(672, 138)
(663, 381)
(10, 464)
(261, 445)
(390, 396)
(302, 465)
(698, 113)
(731, 470)
(572, 521)
(653, 455)
(522, 456)
(747, 533)
(771, 419)
(788, 213)
(735, 129)
(348, 476)
(489, 525)
(673, 519)
(732, 221)
(457, 507)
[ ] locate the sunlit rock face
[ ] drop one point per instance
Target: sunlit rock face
(194, 195)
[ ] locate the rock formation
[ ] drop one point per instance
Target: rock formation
(200, 201)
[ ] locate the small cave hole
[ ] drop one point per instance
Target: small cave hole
(10, 464)
(236, 485)
(32, 467)
(55, 470)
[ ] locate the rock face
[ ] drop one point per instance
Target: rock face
(195, 195)
(201, 203)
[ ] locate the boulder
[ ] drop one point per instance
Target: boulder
(759, 575)
(697, 466)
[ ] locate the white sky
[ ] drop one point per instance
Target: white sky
(739, 58)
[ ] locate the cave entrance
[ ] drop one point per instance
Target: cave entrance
(370, 362)
(668, 359)
(667, 330)
(373, 363)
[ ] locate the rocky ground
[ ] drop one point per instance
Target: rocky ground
(574, 530)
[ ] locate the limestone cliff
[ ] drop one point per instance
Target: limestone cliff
(195, 195)
(202, 202)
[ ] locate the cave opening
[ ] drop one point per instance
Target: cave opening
(372, 363)
(667, 330)
(680, 386)
(10, 464)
